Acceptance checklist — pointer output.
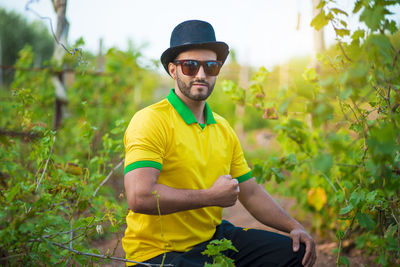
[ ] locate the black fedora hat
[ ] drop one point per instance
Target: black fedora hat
(193, 34)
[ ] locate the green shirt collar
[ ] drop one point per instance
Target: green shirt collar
(185, 112)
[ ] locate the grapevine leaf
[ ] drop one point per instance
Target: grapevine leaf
(338, 11)
(323, 163)
(321, 4)
(342, 32)
(346, 209)
(317, 198)
(320, 21)
(279, 176)
(365, 221)
(13, 192)
(373, 16)
(358, 5)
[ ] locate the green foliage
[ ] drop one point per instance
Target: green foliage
(49, 180)
(16, 32)
(215, 248)
(338, 132)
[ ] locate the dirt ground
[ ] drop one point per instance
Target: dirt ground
(239, 216)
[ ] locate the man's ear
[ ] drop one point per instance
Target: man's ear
(172, 70)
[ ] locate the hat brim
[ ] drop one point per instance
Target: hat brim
(220, 48)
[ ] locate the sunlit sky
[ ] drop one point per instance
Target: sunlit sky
(262, 32)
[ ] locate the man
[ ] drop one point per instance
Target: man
(184, 163)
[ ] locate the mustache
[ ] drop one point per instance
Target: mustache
(200, 81)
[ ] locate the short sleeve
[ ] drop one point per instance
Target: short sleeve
(239, 168)
(144, 141)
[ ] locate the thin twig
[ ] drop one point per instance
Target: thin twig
(395, 58)
(161, 227)
(364, 155)
(25, 135)
(56, 70)
(345, 236)
(338, 253)
(348, 165)
(116, 246)
(107, 178)
(105, 257)
(329, 181)
(71, 238)
(397, 91)
(85, 233)
(398, 228)
(12, 256)
(344, 53)
(55, 234)
(27, 8)
(354, 113)
(71, 234)
(37, 173)
(79, 236)
(40, 239)
(341, 187)
(394, 217)
(379, 92)
(45, 166)
(349, 229)
(340, 42)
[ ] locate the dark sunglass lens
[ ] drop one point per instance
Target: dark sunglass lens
(211, 68)
(190, 67)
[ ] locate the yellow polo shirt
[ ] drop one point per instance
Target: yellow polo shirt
(167, 136)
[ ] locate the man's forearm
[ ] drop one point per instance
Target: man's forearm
(264, 208)
(145, 195)
(170, 200)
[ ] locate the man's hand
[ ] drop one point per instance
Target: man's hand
(299, 235)
(225, 191)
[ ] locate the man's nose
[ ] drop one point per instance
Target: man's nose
(201, 73)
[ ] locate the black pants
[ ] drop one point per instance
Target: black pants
(256, 248)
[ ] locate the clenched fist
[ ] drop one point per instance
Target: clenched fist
(224, 192)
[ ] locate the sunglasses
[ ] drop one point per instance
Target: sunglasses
(190, 67)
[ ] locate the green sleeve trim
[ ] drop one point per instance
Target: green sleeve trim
(141, 164)
(244, 177)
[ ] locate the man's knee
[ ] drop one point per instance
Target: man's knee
(264, 248)
(290, 257)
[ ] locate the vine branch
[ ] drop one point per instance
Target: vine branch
(28, 8)
(107, 178)
(25, 135)
(105, 256)
(45, 166)
(12, 256)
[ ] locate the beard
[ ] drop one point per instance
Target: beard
(185, 88)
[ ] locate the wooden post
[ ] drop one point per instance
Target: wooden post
(283, 74)
(60, 7)
(319, 46)
(319, 42)
(100, 57)
(1, 63)
(240, 110)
